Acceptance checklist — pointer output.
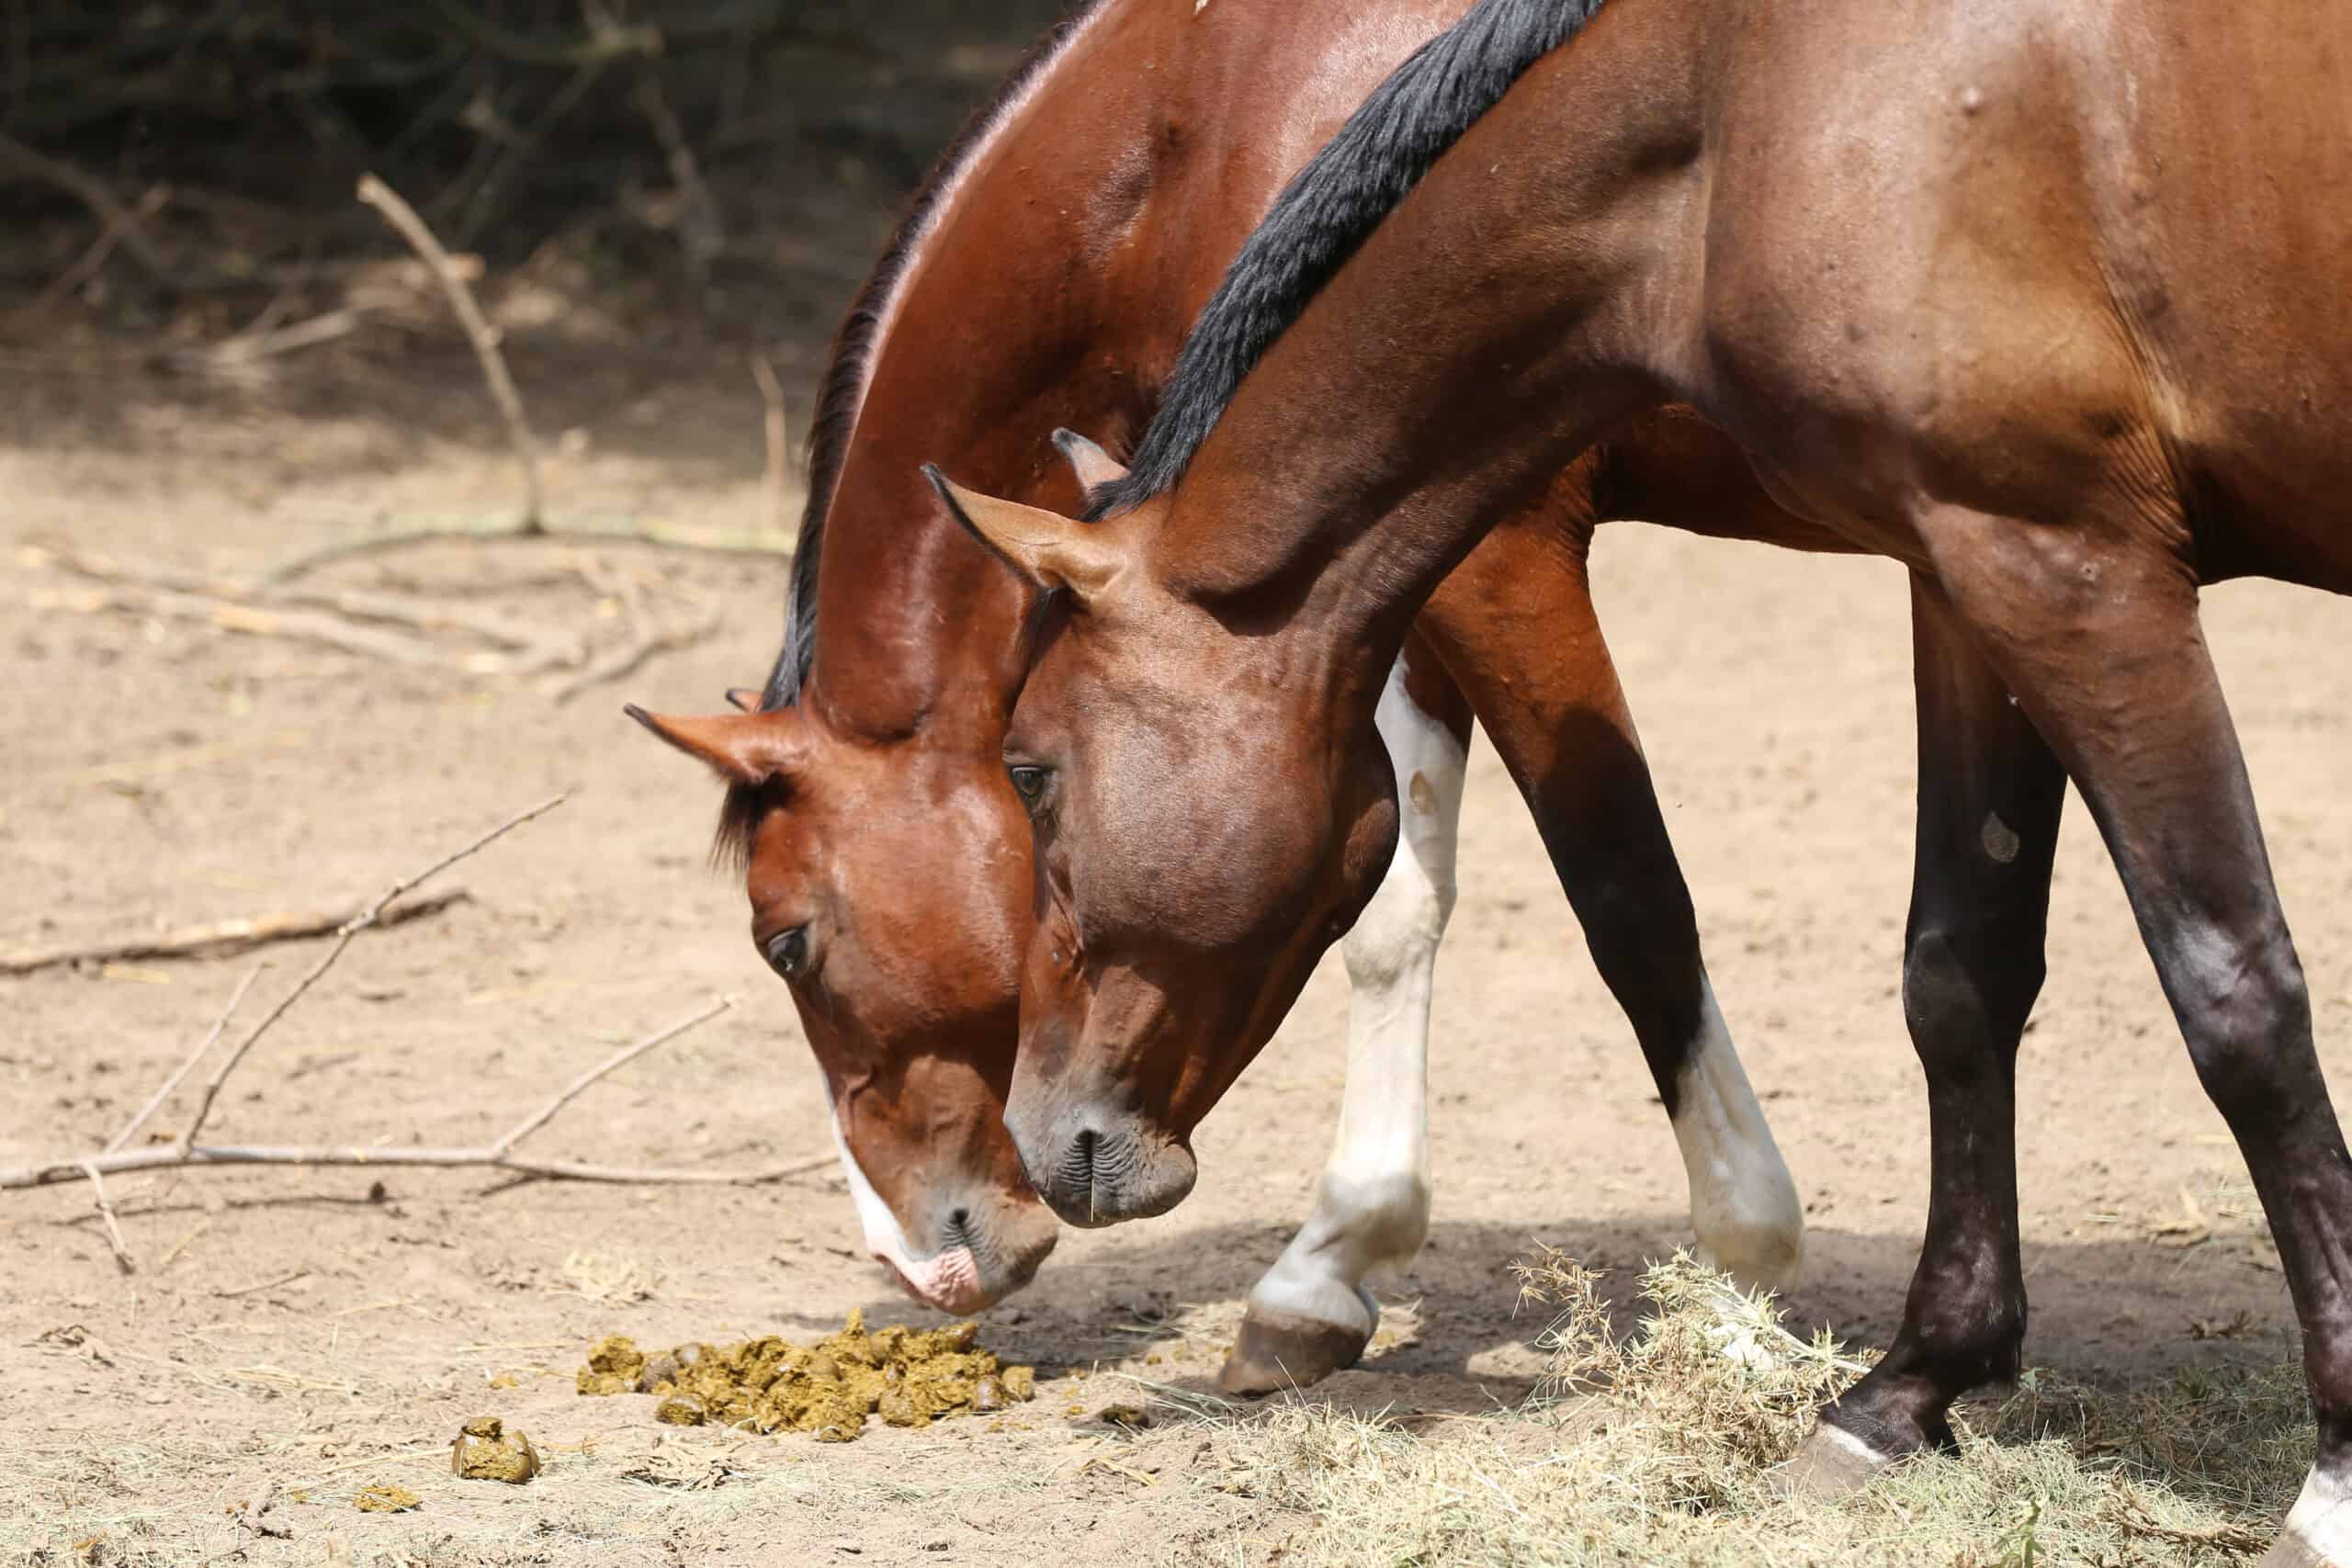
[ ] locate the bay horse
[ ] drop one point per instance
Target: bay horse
(2048, 301)
(1050, 267)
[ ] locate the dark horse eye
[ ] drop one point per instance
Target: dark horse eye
(1029, 780)
(787, 953)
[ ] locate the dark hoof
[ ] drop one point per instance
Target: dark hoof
(1275, 1351)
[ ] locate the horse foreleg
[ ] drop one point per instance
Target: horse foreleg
(1311, 1315)
(1990, 798)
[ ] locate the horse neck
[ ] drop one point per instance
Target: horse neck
(1476, 342)
(1054, 288)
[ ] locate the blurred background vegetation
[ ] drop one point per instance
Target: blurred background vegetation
(670, 172)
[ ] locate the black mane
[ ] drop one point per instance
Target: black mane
(1328, 210)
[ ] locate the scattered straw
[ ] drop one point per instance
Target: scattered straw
(1652, 1449)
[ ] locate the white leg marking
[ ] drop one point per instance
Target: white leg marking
(1743, 1206)
(2319, 1527)
(949, 1281)
(1373, 1208)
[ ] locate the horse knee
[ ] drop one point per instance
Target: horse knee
(1967, 989)
(1398, 934)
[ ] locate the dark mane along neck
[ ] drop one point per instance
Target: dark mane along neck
(1326, 212)
(841, 391)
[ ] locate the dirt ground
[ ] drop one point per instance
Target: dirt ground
(326, 1331)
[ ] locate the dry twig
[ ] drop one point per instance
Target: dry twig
(83, 270)
(779, 448)
(700, 232)
(349, 930)
(479, 331)
(218, 939)
(663, 536)
(155, 1101)
(122, 221)
(647, 637)
(258, 609)
(184, 1151)
(105, 1211)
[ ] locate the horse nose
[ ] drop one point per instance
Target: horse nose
(1106, 1177)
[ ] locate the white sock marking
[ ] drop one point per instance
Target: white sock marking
(1744, 1207)
(1371, 1208)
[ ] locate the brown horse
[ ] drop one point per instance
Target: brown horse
(2048, 301)
(1052, 263)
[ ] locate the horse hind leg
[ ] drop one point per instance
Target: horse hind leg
(1990, 797)
(1559, 718)
(1311, 1315)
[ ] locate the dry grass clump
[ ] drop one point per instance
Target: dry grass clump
(909, 1378)
(1654, 1449)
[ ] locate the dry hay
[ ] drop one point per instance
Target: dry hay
(1654, 1449)
(908, 1377)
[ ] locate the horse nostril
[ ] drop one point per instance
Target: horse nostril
(958, 1219)
(1077, 1173)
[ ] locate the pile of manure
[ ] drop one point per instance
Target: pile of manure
(908, 1377)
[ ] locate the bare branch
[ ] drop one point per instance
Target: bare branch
(716, 541)
(218, 939)
(164, 1158)
(350, 929)
(92, 193)
(83, 270)
(613, 1063)
(184, 1152)
(479, 331)
(779, 447)
(105, 1211)
(131, 1128)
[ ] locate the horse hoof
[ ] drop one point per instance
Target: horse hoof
(1832, 1462)
(2290, 1551)
(2319, 1528)
(1279, 1350)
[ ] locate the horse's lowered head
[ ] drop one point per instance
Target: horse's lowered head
(1208, 815)
(907, 992)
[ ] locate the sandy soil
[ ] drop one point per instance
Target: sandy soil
(326, 1332)
(288, 1325)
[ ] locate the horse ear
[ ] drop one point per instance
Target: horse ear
(1047, 548)
(1092, 465)
(743, 699)
(741, 748)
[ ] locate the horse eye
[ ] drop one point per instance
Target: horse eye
(1029, 780)
(787, 953)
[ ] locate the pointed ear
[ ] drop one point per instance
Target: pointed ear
(741, 748)
(1092, 465)
(1047, 548)
(743, 699)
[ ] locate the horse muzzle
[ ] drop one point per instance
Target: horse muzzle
(1097, 1170)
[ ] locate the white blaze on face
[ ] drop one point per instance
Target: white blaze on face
(949, 1281)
